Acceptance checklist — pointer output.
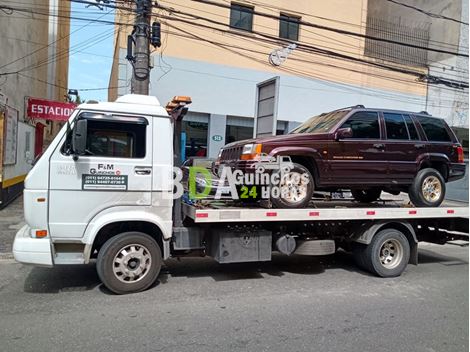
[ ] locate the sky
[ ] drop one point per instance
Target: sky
(91, 50)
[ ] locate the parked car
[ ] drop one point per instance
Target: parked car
(365, 150)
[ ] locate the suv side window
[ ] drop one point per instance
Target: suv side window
(411, 128)
(364, 124)
(396, 126)
(114, 139)
(434, 128)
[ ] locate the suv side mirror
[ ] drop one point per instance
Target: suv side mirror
(79, 138)
(343, 133)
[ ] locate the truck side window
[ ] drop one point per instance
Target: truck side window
(396, 126)
(364, 124)
(434, 129)
(411, 128)
(114, 139)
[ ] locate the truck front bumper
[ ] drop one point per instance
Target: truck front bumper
(28, 250)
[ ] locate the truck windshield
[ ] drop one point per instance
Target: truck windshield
(321, 123)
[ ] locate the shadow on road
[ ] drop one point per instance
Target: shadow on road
(73, 278)
(279, 266)
(67, 278)
(426, 256)
(84, 277)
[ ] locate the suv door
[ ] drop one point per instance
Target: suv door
(360, 158)
(117, 171)
(403, 147)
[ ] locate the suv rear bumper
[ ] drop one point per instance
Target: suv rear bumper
(456, 172)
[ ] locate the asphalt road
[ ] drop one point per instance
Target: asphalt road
(290, 304)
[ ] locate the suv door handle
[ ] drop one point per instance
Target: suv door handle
(142, 170)
(379, 146)
(419, 146)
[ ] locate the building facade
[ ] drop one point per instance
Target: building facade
(33, 63)
(217, 51)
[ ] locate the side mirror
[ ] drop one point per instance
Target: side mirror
(344, 133)
(79, 138)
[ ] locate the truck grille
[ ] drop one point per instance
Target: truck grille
(232, 153)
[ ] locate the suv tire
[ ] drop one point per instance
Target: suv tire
(366, 195)
(129, 262)
(305, 189)
(428, 188)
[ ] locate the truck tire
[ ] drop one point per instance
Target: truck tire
(428, 188)
(366, 195)
(387, 255)
(301, 192)
(129, 262)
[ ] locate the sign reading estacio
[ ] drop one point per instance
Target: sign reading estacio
(49, 109)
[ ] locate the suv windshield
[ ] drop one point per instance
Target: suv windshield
(321, 123)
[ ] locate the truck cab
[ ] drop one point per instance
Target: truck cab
(123, 175)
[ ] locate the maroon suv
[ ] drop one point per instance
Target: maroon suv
(365, 150)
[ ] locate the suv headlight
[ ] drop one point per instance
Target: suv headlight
(251, 151)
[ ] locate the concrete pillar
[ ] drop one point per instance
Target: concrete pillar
(216, 134)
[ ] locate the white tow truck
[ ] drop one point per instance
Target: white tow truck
(104, 190)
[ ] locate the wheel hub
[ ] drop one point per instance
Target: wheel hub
(132, 263)
(391, 253)
(431, 189)
(292, 188)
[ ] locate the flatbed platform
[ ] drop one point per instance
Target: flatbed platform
(324, 210)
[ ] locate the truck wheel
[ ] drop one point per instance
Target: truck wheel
(386, 255)
(366, 195)
(129, 262)
(428, 188)
(296, 190)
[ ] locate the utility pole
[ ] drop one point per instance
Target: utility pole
(140, 60)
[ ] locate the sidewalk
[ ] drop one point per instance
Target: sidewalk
(11, 220)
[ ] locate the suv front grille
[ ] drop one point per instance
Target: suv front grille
(232, 153)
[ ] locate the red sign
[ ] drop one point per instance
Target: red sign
(49, 109)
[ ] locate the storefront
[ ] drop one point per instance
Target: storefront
(22, 140)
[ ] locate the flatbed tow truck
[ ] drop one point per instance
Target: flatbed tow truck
(81, 206)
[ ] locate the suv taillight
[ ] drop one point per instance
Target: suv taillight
(460, 153)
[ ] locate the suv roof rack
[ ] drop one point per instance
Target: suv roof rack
(424, 113)
(358, 106)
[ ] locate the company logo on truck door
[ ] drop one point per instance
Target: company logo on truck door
(104, 169)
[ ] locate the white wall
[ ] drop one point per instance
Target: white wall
(225, 90)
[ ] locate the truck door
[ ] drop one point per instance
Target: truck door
(116, 171)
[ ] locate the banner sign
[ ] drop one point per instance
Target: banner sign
(49, 109)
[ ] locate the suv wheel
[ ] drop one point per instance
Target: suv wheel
(366, 195)
(428, 188)
(295, 189)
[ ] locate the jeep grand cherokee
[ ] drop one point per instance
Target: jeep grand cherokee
(365, 150)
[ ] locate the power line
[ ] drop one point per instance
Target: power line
(294, 12)
(48, 45)
(337, 30)
(315, 39)
(310, 48)
(323, 80)
(79, 89)
(427, 13)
